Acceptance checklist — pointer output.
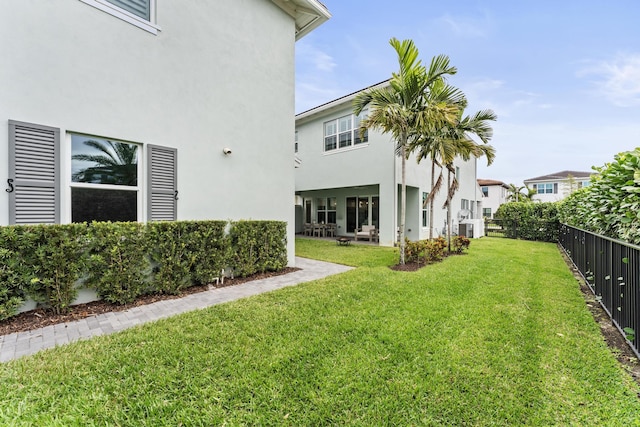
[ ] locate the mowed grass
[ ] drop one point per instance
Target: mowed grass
(499, 336)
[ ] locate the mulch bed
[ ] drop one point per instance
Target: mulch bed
(40, 317)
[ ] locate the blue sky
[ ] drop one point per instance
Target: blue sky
(562, 76)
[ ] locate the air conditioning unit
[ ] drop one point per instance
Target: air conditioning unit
(465, 230)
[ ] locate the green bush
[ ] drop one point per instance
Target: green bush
(610, 205)
(460, 243)
(414, 251)
(530, 221)
(426, 251)
(212, 249)
(173, 256)
(435, 249)
(119, 267)
(56, 256)
(258, 246)
(13, 276)
(124, 260)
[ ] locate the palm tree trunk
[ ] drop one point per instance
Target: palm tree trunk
(403, 202)
(449, 208)
(433, 185)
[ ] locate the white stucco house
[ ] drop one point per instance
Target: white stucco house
(351, 181)
(193, 100)
(494, 193)
(557, 186)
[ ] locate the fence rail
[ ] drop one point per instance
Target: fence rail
(611, 269)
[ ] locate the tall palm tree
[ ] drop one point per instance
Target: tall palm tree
(462, 136)
(401, 108)
(117, 163)
(433, 141)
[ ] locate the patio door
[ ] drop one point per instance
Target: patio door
(307, 211)
(362, 210)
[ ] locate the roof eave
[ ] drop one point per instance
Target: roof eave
(308, 14)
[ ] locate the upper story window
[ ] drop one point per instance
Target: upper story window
(485, 191)
(547, 188)
(140, 13)
(344, 132)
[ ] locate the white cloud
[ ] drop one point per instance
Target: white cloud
(314, 57)
(617, 80)
(464, 27)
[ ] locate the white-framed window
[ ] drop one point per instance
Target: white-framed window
(344, 132)
(425, 210)
(140, 13)
(546, 188)
(57, 177)
(326, 210)
(485, 190)
(295, 143)
(486, 212)
(104, 179)
(464, 204)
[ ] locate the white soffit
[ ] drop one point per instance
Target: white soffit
(309, 14)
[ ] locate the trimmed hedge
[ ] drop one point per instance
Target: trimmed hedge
(122, 261)
(530, 221)
(258, 247)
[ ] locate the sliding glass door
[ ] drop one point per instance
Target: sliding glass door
(362, 210)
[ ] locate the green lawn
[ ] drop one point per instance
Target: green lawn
(499, 336)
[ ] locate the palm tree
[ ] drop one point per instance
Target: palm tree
(520, 194)
(433, 141)
(464, 146)
(116, 165)
(401, 108)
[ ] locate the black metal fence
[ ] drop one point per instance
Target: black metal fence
(494, 228)
(611, 268)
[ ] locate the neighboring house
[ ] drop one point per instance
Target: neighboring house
(494, 193)
(192, 100)
(354, 180)
(557, 186)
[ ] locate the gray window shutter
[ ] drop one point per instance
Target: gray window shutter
(141, 8)
(34, 156)
(162, 166)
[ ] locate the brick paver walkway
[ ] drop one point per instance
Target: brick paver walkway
(20, 344)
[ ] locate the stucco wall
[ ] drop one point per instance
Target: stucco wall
(218, 74)
(374, 164)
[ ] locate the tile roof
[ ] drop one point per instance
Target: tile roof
(561, 175)
(488, 182)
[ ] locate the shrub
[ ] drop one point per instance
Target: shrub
(212, 249)
(414, 251)
(119, 262)
(258, 246)
(460, 243)
(172, 251)
(530, 221)
(56, 258)
(435, 249)
(610, 205)
(124, 260)
(13, 278)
